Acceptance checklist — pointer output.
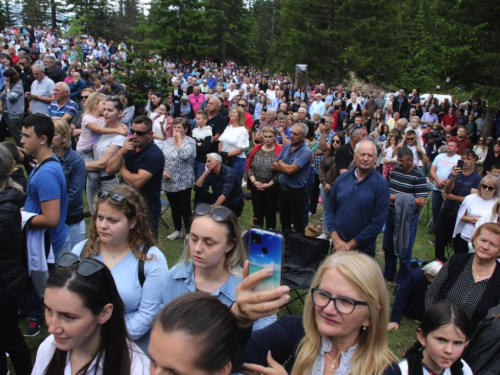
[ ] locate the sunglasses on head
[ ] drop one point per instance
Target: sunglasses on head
(218, 214)
(115, 197)
(138, 132)
(486, 187)
(86, 266)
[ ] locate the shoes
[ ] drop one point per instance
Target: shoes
(322, 236)
(388, 280)
(310, 214)
(177, 234)
(431, 231)
(395, 291)
(432, 242)
(23, 315)
(33, 329)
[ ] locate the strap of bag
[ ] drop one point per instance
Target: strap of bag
(140, 269)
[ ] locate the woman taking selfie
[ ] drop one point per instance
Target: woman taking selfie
(85, 319)
(121, 238)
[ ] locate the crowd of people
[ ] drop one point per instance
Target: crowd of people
(111, 301)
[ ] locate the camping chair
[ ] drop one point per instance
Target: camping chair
(303, 255)
(164, 208)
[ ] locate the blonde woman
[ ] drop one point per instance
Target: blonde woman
(234, 140)
(343, 330)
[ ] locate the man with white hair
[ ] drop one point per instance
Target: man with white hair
(358, 203)
(318, 105)
(42, 91)
(232, 90)
(62, 106)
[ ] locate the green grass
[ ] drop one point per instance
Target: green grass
(399, 341)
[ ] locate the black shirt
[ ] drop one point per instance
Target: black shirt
(344, 156)
(150, 159)
(218, 125)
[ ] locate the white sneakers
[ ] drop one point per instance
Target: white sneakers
(177, 234)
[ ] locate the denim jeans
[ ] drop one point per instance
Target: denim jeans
(239, 166)
(391, 259)
(324, 203)
(198, 169)
(437, 203)
(76, 233)
(291, 205)
(309, 189)
(93, 180)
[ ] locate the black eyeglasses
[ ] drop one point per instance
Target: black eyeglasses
(218, 214)
(86, 266)
(138, 132)
(85, 97)
(116, 197)
(343, 305)
(486, 187)
(336, 141)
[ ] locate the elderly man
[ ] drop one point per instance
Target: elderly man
(42, 91)
(293, 163)
(318, 106)
(52, 71)
(429, 118)
(141, 163)
(111, 87)
(226, 189)
(196, 98)
(358, 203)
(408, 194)
(62, 106)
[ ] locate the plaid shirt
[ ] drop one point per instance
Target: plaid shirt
(318, 158)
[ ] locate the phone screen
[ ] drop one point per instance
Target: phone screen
(266, 249)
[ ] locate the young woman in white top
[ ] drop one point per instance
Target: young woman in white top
(105, 148)
(162, 125)
(442, 338)
(234, 140)
(270, 92)
(85, 317)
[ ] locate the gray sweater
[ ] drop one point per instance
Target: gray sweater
(14, 101)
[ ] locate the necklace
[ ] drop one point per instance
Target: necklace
(478, 275)
(334, 362)
(209, 285)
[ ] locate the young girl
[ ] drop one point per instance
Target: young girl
(85, 317)
(388, 152)
(442, 338)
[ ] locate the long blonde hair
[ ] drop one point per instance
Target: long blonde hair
(92, 102)
(372, 355)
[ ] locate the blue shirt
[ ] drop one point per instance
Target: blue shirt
(211, 82)
(358, 209)
(74, 169)
(47, 182)
(462, 188)
(301, 157)
(69, 107)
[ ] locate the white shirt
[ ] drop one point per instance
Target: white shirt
(233, 138)
(444, 165)
(139, 361)
(102, 145)
(157, 130)
(403, 365)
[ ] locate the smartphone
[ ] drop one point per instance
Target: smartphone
(323, 121)
(460, 164)
(266, 249)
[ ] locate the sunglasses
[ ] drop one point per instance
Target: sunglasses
(138, 132)
(486, 187)
(115, 197)
(336, 141)
(218, 214)
(84, 97)
(410, 139)
(242, 105)
(86, 266)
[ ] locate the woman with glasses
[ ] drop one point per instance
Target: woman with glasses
(213, 259)
(179, 152)
(473, 207)
(235, 142)
(121, 238)
(85, 319)
(12, 272)
(471, 280)
(343, 330)
(262, 180)
(105, 148)
(481, 151)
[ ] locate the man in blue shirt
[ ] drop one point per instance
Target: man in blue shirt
(358, 203)
(62, 106)
(47, 196)
(293, 163)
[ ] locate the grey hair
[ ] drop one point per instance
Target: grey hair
(38, 67)
(363, 141)
(215, 156)
(494, 180)
(432, 268)
(63, 85)
(305, 128)
(271, 110)
(51, 58)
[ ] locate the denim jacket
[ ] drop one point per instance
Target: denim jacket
(180, 280)
(74, 171)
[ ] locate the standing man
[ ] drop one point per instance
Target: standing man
(462, 141)
(216, 121)
(429, 118)
(196, 98)
(52, 71)
(409, 186)
(293, 163)
(461, 182)
(47, 196)
(400, 103)
(358, 203)
(345, 154)
(42, 91)
(62, 106)
(318, 105)
(141, 164)
(440, 170)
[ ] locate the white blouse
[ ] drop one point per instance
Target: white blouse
(233, 138)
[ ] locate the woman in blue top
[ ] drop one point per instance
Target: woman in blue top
(121, 238)
(213, 259)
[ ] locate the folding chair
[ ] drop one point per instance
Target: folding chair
(430, 187)
(164, 208)
(303, 255)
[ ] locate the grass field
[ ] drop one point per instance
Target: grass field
(399, 340)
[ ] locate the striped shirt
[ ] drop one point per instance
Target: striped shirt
(413, 182)
(69, 107)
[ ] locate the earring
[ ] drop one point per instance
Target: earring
(364, 328)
